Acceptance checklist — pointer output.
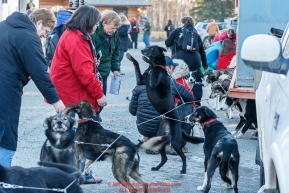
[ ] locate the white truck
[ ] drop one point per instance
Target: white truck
(271, 56)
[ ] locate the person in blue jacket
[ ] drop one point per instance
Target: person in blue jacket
(22, 59)
(141, 107)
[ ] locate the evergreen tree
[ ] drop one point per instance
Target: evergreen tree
(213, 9)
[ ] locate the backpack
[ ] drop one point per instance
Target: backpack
(133, 25)
(188, 39)
(51, 43)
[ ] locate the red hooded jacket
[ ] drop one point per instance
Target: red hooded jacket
(73, 70)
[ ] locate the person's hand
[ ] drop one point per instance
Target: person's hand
(206, 70)
(116, 73)
(102, 101)
(59, 106)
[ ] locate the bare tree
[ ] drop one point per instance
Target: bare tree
(162, 10)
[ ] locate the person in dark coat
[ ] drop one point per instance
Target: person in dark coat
(191, 58)
(22, 59)
(141, 107)
(123, 31)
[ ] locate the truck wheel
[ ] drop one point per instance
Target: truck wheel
(206, 43)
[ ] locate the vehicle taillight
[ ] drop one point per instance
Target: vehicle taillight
(199, 31)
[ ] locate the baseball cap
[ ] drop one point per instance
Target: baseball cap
(169, 61)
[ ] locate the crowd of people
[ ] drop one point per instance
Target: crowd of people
(99, 41)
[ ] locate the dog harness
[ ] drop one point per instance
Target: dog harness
(208, 122)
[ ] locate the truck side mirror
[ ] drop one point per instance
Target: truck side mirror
(264, 52)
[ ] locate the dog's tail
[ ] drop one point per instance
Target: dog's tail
(69, 109)
(154, 143)
(192, 139)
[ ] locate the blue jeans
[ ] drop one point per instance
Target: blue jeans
(146, 39)
(121, 53)
(6, 156)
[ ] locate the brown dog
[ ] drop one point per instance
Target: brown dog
(123, 152)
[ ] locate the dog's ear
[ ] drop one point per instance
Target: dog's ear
(163, 49)
(209, 113)
(47, 122)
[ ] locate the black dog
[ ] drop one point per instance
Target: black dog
(53, 175)
(158, 89)
(247, 113)
(220, 148)
(123, 152)
(59, 146)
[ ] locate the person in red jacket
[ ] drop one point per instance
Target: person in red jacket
(134, 32)
(226, 54)
(74, 65)
(229, 34)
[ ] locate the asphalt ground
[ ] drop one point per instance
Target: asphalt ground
(117, 118)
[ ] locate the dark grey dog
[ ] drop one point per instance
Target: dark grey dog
(52, 175)
(59, 146)
(123, 152)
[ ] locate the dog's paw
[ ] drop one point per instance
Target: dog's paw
(183, 171)
(128, 56)
(234, 132)
(239, 136)
(201, 188)
(229, 186)
(146, 59)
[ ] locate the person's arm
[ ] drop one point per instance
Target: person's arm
(115, 67)
(133, 104)
(32, 57)
(171, 39)
(217, 38)
(181, 92)
(203, 54)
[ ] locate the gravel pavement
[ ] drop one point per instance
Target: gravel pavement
(117, 118)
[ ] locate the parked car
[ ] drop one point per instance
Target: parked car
(201, 28)
(269, 54)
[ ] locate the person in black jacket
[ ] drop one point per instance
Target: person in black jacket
(191, 58)
(123, 31)
(141, 107)
(22, 59)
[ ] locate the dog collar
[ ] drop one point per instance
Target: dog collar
(85, 120)
(163, 67)
(208, 122)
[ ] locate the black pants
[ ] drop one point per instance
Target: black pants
(134, 37)
(183, 111)
(198, 88)
(104, 86)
